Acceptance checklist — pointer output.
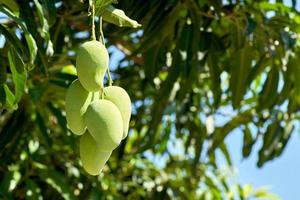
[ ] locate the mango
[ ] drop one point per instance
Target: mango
(104, 121)
(121, 99)
(77, 102)
(93, 159)
(92, 62)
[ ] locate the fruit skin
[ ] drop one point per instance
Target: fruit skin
(104, 121)
(92, 158)
(77, 102)
(121, 99)
(92, 62)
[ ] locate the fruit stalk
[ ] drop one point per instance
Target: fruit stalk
(101, 35)
(93, 21)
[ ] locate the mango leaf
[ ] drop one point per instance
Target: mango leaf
(43, 128)
(3, 74)
(32, 47)
(101, 5)
(118, 17)
(58, 182)
(269, 94)
(45, 28)
(215, 75)
(15, 43)
(4, 186)
(240, 68)
(221, 132)
(33, 190)
(11, 4)
(19, 76)
(270, 141)
(248, 142)
(288, 130)
(226, 154)
(9, 97)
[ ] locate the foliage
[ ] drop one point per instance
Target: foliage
(188, 66)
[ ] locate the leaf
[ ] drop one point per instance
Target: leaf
(293, 66)
(58, 182)
(19, 76)
(10, 98)
(32, 47)
(60, 118)
(215, 75)
(45, 28)
(3, 74)
(4, 186)
(43, 128)
(270, 141)
(237, 34)
(118, 17)
(248, 142)
(11, 4)
(226, 154)
(269, 94)
(33, 190)
(288, 130)
(240, 68)
(221, 132)
(101, 5)
(15, 43)
(50, 11)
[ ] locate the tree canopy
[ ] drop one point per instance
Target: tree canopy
(195, 71)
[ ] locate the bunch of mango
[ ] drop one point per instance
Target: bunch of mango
(100, 115)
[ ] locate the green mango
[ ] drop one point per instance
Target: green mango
(104, 121)
(92, 63)
(121, 99)
(92, 157)
(77, 102)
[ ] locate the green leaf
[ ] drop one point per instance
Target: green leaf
(11, 4)
(58, 114)
(3, 74)
(240, 68)
(226, 154)
(118, 17)
(269, 94)
(58, 182)
(101, 5)
(15, 43)
(43, 128)
(270, 141)
(45, 28)
(221, 132)
(19, 76)
(33, 190)
(215, 75)
(32, 47)
(9, 98)
(248, 142)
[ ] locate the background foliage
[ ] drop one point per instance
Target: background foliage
(195, 71)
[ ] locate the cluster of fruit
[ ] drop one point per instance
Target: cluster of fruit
(99, 114)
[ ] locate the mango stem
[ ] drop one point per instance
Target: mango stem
(93, 21)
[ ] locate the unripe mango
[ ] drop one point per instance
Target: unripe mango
(77, 102)
(92, 63)
(92, 158)
(121, 99)
(104, 121)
